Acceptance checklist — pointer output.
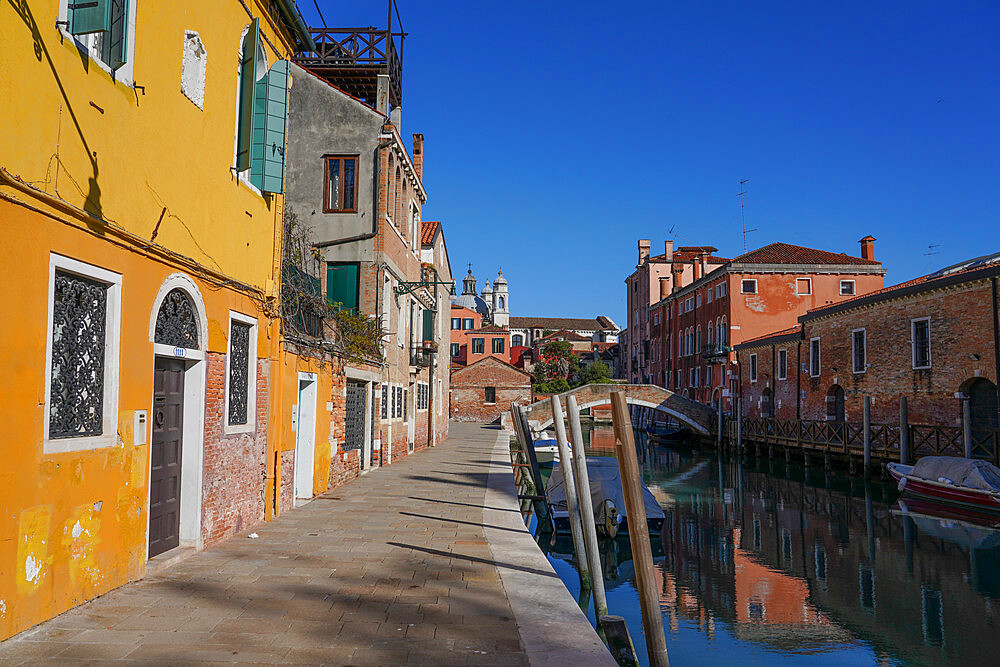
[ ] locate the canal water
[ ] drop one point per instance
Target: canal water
(763, 563)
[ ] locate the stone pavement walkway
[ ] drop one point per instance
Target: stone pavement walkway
(392, 568)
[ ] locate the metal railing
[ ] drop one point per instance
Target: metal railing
(715, 352)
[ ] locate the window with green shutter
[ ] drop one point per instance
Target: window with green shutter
(342, 284)
(428, 325)
(89, 16)
(263, 112)
(102, 26)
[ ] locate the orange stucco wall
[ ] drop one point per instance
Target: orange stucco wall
(73, 525)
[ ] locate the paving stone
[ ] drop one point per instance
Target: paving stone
(392, 569)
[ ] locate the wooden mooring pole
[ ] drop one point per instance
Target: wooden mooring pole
(718, 423)
(586, 509)
(868, 434)
(739, 425)
(569, 483)
(967, 427)
(904, 432)
(638, 532)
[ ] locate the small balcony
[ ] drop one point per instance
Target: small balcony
(715, 354)
(421, 356)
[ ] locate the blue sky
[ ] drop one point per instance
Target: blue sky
(559, 133)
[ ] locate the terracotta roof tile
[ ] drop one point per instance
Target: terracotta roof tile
(427, 230)
(556, 323)
(785, 253)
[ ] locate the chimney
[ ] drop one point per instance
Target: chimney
(704, 264)
(677, 269)
(868, 247)
(668, 250)
(397, 119)
(664, 287)
(696, 265)
(382, 94)
(418, 155)
(643, 250)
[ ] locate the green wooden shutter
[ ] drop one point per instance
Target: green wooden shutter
(428, 325)
(275, 115)
(342, 285)
(87, 16)
(258, 129)
(117, 36)
(248, 79)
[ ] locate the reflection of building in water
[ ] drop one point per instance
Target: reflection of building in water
(802, 568)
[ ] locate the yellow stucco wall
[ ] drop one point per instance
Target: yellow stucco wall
(73, 525)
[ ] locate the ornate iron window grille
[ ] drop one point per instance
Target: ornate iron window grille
(176, 322)
(239, 367)
(79, 331)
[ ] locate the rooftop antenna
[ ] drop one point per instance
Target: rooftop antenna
(931, 251)
(743, 213)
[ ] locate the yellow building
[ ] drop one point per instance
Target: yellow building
(141, 169)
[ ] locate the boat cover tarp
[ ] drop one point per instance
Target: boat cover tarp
(970, 473)
(605, 483)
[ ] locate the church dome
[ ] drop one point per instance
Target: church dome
(472, 302)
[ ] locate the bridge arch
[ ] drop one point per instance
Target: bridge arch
(697, 416)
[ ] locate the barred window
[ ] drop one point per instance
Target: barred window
(859, 345)
(79, 334)
(921, 337)
(782, 364)
(490, 394)
(239, 372)
(406, 411)
(814, 360)
(753, 367)
(385, 401)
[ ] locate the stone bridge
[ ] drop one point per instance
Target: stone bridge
(698, 416)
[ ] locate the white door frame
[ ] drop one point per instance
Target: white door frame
(305, 437)
(193, 430)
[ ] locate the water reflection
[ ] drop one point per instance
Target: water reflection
(766, 563)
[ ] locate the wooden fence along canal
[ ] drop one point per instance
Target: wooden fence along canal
(866, 443)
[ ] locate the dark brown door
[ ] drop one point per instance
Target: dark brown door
(165, 474)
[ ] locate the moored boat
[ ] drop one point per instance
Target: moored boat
(546, 451)
(961, 481)
(607, 498)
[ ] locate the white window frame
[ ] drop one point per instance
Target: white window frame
(808, 284)
(818, 358)
(112, 353)
(456, 349)
(753, 368)
(251, 424)
(913, 343)
(88, 43)
(854, 287)
(743, 282)
(243, 177)
(781, 372)
(854, 351)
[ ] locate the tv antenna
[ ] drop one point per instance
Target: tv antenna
(930, 252)
(743, 213)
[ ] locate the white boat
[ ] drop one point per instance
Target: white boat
(546, 451)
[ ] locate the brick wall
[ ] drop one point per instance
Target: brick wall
(468, 390)
(962, 349)
(344, 466)
(782, 391)
(287, 480)
(233, 482)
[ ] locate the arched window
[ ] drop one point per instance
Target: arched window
(697, 340)
(725, 332)
(397, 211)
(390, 209)
(501, 303)
(177, 321)
(708, 333)
(516, 340)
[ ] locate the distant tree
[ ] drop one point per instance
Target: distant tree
(596, 373)
(556, 365)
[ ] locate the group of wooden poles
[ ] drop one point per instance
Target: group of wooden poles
(576, 481)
